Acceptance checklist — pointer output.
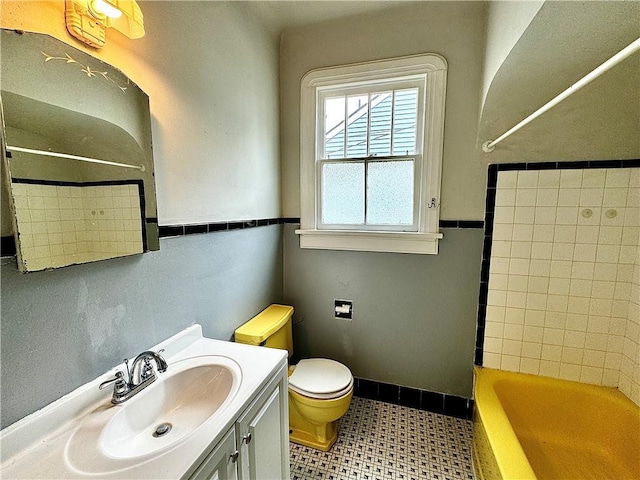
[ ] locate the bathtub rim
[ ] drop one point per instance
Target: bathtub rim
(506, 448)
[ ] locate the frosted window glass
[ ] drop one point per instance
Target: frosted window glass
(390, 193)
(405, 108)
(334, 112)
(343, 193)
(357, 123)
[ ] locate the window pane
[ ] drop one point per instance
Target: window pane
(390, 193)
(343, 193)
(405, 114)
(334, 127)
(380, 125)
(358, 111)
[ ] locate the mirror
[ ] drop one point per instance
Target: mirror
(79, 162)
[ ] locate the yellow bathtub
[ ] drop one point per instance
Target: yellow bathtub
(528, 426)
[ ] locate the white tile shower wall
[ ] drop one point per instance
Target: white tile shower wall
(60, 225)
(630, 369)
(561, 275)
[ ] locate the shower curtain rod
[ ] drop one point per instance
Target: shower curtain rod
(490, 145)
(74, 157)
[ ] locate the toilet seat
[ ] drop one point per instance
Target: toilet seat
(321, 378)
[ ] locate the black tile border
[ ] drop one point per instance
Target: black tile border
(442, 403)
(188, 229)
(479, 224)
(170, 230)
(567, 165)
(164, 231)
(193, 228)
(490, 199)
(7, 246)
(64, 183)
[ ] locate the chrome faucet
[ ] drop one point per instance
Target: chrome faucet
(123, 389)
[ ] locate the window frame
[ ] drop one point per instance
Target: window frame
(430, 71)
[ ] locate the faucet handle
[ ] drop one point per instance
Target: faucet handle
(147, 370)
(119, 382)
(126, 363)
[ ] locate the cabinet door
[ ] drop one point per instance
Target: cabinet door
(222, 463)
(263, 435)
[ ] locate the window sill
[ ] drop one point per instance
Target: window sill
(391, 242)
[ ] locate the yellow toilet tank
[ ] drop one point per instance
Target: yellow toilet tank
(270, 328)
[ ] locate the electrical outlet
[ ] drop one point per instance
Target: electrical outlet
(343, 309)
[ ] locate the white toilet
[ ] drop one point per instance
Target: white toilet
(320, 389)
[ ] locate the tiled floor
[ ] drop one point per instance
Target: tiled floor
(381, 441)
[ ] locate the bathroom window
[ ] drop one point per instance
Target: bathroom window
(371, 148)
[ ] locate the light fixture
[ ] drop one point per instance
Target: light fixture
(101, 7)
(88, 20)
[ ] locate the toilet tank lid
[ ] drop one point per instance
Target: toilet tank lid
(263, 325)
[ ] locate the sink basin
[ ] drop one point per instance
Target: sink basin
(177, 406)
(187, 395)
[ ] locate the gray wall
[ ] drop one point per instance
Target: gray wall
(211, 70)
(598, 122)
(414, 315)
(63, 328)
(454, 30)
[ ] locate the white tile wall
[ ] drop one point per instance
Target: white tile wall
(629, 361)
(563, 285)
(65, 225)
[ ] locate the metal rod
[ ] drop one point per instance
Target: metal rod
(74, 157)
(490, 145)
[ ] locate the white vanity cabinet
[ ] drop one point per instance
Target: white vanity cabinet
(257, 446)
(263, 434)
(221, 464)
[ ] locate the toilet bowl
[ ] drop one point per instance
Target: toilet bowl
(320, 392)
(320, 389)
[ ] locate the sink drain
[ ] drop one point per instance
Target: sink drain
(162, 430)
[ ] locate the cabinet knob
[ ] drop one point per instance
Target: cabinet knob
(234, 456)
(247, 438)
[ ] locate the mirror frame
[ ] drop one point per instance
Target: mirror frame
(134, 142)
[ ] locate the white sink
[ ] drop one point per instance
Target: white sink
(83, 436)
(187, 395)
